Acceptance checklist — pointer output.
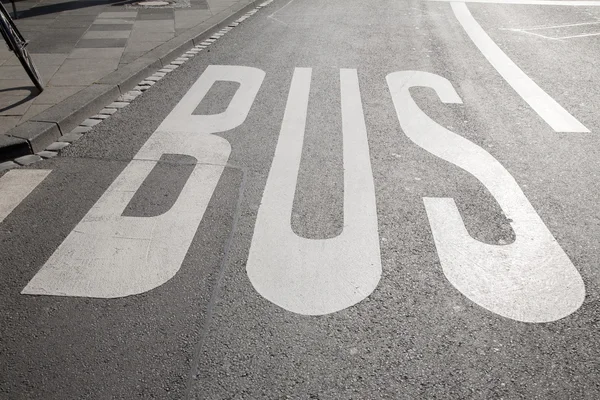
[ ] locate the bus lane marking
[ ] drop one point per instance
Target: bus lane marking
(545, 106)
(16, 185)
(530, 280)
(108, 255)
(317, 276)
(567, 3)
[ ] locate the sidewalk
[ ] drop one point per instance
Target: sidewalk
(84, 49)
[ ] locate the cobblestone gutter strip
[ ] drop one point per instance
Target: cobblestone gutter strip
(50, 131)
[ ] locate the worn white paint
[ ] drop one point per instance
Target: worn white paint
(533, 30)
(308, 276)
(547, 108)
(530, 280)
(530, 33)
(108, 255)
(579, 36)
(17, 184)
(544, 27)
(568, 3)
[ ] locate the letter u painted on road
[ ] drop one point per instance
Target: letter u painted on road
(108, 255)
(308, 276)
(530, 280)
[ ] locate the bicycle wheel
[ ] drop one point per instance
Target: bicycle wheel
(27, 62)
(17, 44)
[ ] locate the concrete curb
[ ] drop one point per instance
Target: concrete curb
(37, 133)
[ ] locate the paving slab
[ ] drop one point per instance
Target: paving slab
(69, 113)
(72, 21)
(34, 110)
(96, 48)
(110, 27)
(17, 107)
(155, 16)
(61, 41)
(8, 122)
(156, 26)
(118, 14)
(56, 94)
(144, 36)
(105, 34)
(116, 21)
(185, 19)
(12, 72)
(128, 76)
(41, 59)
(83, 72)
(4, 55)
(142, 47)
(90, 10)
(130, 56)
(21, 87)
(101, 43)
(97, 53)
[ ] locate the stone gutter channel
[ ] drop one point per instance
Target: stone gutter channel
(47, 133)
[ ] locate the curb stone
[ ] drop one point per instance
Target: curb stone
(12, 147)
(126, 83)
(8, 165)
(37, 134)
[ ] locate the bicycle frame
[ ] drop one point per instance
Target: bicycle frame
(17, 43)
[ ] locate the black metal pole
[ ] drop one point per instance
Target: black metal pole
(15, 16)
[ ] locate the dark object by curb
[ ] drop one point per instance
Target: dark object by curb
(12, 147)
(37, 133)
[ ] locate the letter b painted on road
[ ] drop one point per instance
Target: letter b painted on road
(108, 255)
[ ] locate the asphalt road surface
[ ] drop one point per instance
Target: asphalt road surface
(342, 199)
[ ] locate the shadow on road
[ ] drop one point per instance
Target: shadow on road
(33, 92)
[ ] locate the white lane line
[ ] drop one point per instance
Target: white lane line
(542, 27)
(17, 184)
(531, 33)
(308, 276)
(578, 36)
(530, 280)
(272, 16)
(281, 9)
(108, 255)
(547, 108)
(590, 3)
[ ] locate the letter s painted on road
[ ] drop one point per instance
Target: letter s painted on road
(530, 280)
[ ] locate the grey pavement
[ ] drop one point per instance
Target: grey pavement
(75, 44)
(208, 333)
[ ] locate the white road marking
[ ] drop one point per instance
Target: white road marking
(547, 108)
(272, 16)
(542, 27)
(530, 33)
(108, 255)
(308, 276)
(16, 185)
(578, 36)
(530, 280)
(281, 9)
(555, 27)
(568, 3)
